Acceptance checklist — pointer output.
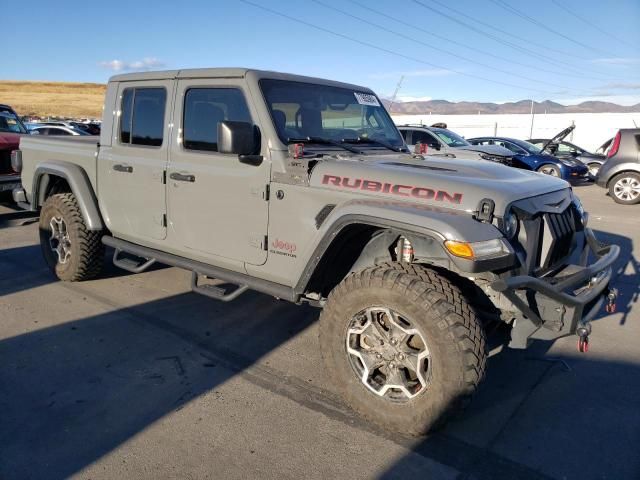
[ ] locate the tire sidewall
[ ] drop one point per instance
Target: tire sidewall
(55, 206)
(612, 185)
(446, 381)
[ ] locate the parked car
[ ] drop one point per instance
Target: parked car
(11, 128)
(531, 157)
(441, 141)
(621, 172)
(303, 189)
(56, 130)
(560, 148)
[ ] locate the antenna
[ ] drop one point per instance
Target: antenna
(395, 93)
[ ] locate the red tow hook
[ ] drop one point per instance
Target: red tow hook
(583, 338)
(612, 296)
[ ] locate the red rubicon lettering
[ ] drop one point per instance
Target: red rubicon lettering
(441, 196)
(397, 190)
(371, 185)
(425, 193)
(331, 179)
(422, 193)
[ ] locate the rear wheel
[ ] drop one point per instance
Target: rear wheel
(403, 346)
(625, 188)
(71, 250)
(550, 170)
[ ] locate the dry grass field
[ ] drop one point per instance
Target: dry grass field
(61, 99)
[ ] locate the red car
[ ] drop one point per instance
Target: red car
(11, 128)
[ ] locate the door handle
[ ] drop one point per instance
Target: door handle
(123, 168)
(182, 177)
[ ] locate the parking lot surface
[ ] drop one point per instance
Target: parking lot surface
(134, 376)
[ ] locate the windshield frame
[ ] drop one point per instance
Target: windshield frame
(397, 142)
(445, 131)
(21, 126)
(530, 148)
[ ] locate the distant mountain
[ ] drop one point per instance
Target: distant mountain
(444, 107)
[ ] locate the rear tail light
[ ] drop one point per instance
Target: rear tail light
(614, 146)
(16, 161)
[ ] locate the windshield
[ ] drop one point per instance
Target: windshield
(305, 110)
(450, 138)
(9, 122)
(529, 147)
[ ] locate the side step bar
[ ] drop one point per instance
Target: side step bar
(216, 292)
(130, 264)
(244, 281)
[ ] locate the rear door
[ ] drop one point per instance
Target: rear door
(217, 206)
(131, 171)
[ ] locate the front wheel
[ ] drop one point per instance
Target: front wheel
(71, 250)
(402, 346)
(550, 170)
(625, 188)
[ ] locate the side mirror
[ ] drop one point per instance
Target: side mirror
(241, 138)
(435, 146)
(574, 153)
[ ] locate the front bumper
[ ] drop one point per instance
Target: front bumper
(556, 306)
(9, 182)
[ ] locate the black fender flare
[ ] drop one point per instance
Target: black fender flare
(80, 186)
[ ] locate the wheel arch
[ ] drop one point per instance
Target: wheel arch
(355, 242)
(620, 172)
(52, 174)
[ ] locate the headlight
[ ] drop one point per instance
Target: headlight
(568, 163)
(478, 250)
(509, 225)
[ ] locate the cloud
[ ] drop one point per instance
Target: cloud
(617, 61)
(622, 86)
(434, 72)
(148, 63)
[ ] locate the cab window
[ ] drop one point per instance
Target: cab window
(204, 109)
(142, 116)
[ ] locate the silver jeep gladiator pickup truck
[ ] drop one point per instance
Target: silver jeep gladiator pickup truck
(304, 189)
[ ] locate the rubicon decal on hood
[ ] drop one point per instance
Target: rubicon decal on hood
(422, 193)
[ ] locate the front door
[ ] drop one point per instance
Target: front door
(131, 171)
(217, 206)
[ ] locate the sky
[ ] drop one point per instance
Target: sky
(490, 51)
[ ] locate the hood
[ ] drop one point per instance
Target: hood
(454, 183)
(558, 138)
(9, 141)
(489, 149)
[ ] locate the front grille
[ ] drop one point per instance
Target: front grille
(558, 231)
(546, 240)
(5, 162)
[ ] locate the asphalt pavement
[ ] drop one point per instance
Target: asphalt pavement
(134, 376)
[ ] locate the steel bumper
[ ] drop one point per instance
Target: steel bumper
(555, 306)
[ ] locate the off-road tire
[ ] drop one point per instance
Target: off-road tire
(629, 176)
(454, 334)
(86, 257)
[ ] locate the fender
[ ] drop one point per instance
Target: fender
(615, 170)
(426, 227)
(79, 183)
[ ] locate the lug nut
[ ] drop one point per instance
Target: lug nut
(392, 365)
(401, 356)
(378, 356)
(394, 341)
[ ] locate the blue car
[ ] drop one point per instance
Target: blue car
(530, 157)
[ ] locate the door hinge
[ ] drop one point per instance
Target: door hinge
(164, 177)
(164, 219)
(265, 245)
(267, 190)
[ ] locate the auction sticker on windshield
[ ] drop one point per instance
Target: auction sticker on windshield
(366, 99)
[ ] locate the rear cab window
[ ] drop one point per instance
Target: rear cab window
(142, 117)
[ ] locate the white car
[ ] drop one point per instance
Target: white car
(55, 130)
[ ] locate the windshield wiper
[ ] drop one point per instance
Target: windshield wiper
(323, 141)
(375, 142)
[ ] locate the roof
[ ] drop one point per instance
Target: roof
(228, 73)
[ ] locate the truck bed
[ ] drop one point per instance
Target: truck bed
(36, 149)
